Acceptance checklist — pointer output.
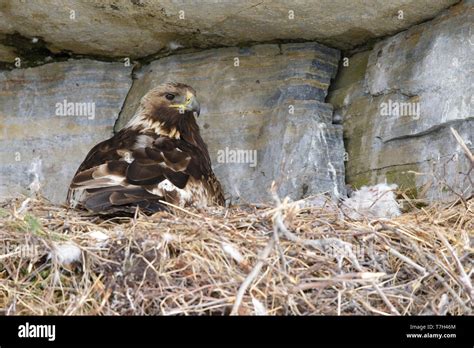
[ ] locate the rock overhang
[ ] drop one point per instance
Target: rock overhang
(140, 28)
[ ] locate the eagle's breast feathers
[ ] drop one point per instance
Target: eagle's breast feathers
(158, 156)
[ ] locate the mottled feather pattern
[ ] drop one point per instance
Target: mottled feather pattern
(158, 156)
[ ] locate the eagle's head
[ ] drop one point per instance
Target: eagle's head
(170, 106)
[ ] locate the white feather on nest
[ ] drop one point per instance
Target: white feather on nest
(376, 201)
(66, 253)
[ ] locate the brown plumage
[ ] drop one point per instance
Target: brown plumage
(158, 155)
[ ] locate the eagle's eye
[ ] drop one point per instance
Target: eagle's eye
(169, 96)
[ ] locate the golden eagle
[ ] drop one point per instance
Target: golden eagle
(158, 156)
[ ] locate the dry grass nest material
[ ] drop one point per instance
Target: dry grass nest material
(286, 259)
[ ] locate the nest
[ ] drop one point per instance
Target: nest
(286, 259)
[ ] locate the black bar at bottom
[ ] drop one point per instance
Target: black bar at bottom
(432, 331)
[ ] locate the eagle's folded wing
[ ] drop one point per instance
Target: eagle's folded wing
(163, 169)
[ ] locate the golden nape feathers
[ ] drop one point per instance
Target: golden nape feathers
(158, 156)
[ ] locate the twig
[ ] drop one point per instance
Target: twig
(319, 244)
(280, 250)
(181, 209)
(251, 276)
(385, 299)
(406, 259)
(464, 279)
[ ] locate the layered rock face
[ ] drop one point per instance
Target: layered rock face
(138, 28)
(263, 116)
(50, 117)
(399, 100)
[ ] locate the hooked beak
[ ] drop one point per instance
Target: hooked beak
(194, 106)
(190, 104)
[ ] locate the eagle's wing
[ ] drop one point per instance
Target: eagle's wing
(130, 169)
